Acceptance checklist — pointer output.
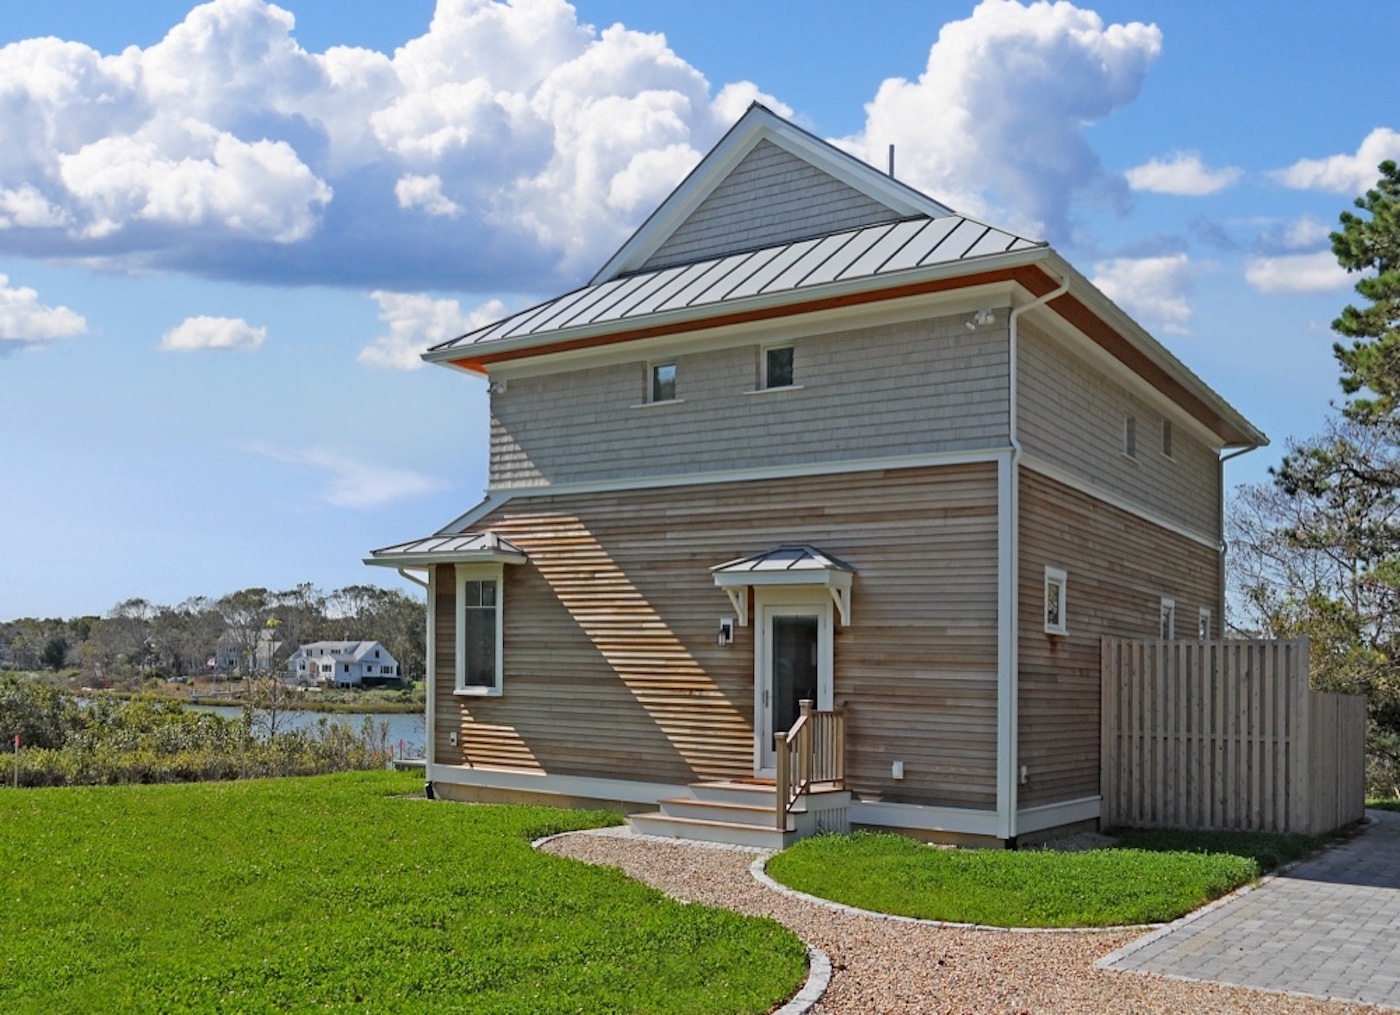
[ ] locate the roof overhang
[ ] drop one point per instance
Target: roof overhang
(458, 548)
(794, 565)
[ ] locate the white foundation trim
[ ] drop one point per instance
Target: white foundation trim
(562, 785)
(959, 820)
(1034, 819)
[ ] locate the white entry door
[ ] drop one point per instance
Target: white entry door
(793, 661)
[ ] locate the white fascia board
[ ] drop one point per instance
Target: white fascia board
(954, 820)
(822, 577)
(527, 781)
(422, 561)
(787, 298)
(1138, 336)
(1069, 812)
(774, 331)
(756, 125)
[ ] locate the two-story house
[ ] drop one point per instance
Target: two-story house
(342, 664)
(811, 434)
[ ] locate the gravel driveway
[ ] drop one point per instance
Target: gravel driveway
(883, 966)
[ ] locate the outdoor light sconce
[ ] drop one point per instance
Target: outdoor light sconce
(726, 631)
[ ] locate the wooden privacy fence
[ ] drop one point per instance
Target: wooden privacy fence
(1226, 735)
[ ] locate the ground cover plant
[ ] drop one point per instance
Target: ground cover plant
(1003, 888)
(340, 893)
(1268, 850)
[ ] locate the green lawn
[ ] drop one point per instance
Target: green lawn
(342, 893)
(1030, 888)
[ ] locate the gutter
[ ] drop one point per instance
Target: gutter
(1008, 678)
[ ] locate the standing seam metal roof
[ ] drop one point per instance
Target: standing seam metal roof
(868, 252)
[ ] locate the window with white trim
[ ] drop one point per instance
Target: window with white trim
(663, 383)
(777, 367)
(1056, 584)
(1203, 624)
(479, 640)
(1168, 619)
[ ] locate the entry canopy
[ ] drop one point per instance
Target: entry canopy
(786, 565)
(449, 548)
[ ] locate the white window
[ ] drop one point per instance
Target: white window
(663, 382)
(1056, 583)
(479, 639)
(1168, 617)
(777, 367)
(1167, 437)
(1130, 436)
(1203, 624)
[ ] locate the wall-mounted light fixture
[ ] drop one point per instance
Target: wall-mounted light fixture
(983, 317)
(726, 631)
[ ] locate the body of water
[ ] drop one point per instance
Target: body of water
(404, 728)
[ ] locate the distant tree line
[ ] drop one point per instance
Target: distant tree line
(246, 632)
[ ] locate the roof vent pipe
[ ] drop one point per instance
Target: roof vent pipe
(891, 162)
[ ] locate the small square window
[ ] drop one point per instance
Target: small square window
(1168, 619)
(663, 382)
(1056, 583)
(777, 367)
(1167, 437)
(1130, 436)
(1203, 624)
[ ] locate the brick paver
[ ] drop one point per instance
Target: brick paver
(1328, 928)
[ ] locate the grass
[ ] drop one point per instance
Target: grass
(1268, 851)
(341, 893)
(1383, 804)
(1035, 888)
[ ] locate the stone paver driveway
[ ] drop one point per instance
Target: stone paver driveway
(1328, 928)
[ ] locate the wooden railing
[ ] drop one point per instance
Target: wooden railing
(812, 753)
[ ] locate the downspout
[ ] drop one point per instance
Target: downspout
(430, 695)
(1009, 689)
(1220, 625)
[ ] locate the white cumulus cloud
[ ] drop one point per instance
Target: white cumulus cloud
(1344, 174)
(994, 126)
(1183, 174)
(1155, 290)
(415, 321)
(1296, 273)
(212, 333)
(24, 321)
(507, 143)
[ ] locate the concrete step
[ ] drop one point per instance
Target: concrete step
(711, 831)
(756, 814)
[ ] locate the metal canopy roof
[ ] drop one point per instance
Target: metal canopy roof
(786, 565)
(450, 548)
(870, 252)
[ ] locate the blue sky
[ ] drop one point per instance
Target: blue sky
(226, 230)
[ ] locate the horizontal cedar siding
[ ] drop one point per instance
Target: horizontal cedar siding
(903, 389)
(1119, 567)
(611, 666)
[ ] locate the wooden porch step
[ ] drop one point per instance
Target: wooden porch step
(760, 815)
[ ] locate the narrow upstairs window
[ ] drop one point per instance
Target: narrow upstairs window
(777, 367)
(663, 382)
(1203, 624)
(1130, 436)
(1168, 619)
(1167, 437)
(1055, 584)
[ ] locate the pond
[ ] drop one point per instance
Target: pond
(406, 729)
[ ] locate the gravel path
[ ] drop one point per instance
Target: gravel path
(890, 967)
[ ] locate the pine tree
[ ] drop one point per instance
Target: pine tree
(1371, 364)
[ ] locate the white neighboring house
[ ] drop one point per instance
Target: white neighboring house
(342, 664)
(229, 655)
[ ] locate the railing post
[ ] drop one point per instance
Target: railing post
(839, 745)
(804, 744)
(780, 777)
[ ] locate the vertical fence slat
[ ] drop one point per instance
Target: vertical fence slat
(1226, 735)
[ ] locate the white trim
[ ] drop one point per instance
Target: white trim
(431, 676)
(478, 573)
(1068, 812)
(759, 124)
(958, 820)
(1087, 488)
(1056, 576)
(657, 405)
(769, 391)
(1166, 613)
(563, 785)
(1006, 648)
(883, 464)
(763, 350)
(787, 601)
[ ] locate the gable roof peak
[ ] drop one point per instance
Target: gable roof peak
(759, 124)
